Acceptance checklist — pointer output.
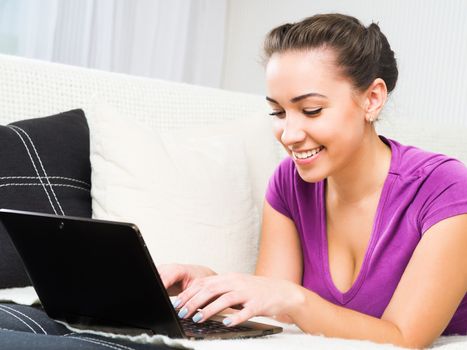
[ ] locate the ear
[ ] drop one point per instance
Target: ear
(375, 98)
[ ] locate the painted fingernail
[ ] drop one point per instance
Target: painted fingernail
(197, 317)
(176, 302)
(227, 321)
(183, 312)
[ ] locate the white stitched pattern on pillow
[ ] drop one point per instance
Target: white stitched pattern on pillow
(189, 191)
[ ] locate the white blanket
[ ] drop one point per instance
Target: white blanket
(23, 296)
(292, 338)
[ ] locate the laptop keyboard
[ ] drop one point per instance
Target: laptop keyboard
(209, 327)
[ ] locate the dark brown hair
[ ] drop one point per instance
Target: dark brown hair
(363, 53)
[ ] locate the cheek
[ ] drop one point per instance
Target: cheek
(347, 136)
(339, 130)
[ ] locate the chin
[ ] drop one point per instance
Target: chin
(311, 176)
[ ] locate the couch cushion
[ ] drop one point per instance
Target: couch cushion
(44, 167)
(190, 191)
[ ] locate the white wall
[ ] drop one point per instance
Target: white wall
(428, 36)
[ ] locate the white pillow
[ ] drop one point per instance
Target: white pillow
(189, 191)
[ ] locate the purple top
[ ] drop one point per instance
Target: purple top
(421, 189)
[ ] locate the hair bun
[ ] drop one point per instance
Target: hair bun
(384, 58)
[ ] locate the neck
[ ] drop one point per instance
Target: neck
(364, 177)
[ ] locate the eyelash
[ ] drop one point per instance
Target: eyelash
(309, 113)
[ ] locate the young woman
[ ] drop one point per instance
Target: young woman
(362, 237)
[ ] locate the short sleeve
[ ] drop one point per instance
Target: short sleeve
(447, 188)
(279, 183)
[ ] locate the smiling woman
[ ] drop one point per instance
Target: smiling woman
(362, 237)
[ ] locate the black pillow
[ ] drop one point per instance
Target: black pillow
(44, 167)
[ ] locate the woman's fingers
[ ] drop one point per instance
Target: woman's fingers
(243, 315)
(221, 303)
(200, 293)
(207, 296)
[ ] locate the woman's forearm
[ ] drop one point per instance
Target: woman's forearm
(316, 315)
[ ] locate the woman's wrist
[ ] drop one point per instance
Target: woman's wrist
(296, 302)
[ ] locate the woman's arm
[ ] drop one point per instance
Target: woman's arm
(280, 254)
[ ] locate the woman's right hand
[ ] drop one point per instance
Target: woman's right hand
(178, 277)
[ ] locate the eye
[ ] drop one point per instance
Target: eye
(312, 111)
(278, 114)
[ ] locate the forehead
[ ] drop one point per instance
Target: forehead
(293, 73)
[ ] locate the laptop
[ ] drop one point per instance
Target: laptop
(96, 274)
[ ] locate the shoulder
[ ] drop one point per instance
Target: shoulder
(287, 177)
(414, 162)
(285, 174)
(277, 191)
(286, 166)
(287, 192)
(433, 186)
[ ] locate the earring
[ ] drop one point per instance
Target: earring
(371, 118)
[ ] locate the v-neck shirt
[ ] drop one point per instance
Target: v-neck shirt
(421, 189)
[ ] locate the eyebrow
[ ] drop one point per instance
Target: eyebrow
(298, 98)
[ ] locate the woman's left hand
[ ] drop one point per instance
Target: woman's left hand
(258, 296)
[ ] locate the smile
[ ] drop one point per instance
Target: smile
(307, 154)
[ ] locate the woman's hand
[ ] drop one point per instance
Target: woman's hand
(178, 277)
(258, 296)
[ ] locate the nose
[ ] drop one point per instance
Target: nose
(292, 131)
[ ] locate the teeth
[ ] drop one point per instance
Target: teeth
(307, 154)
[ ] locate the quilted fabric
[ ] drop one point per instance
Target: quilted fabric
(34, 88)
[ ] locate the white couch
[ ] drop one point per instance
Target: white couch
(230, 134)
